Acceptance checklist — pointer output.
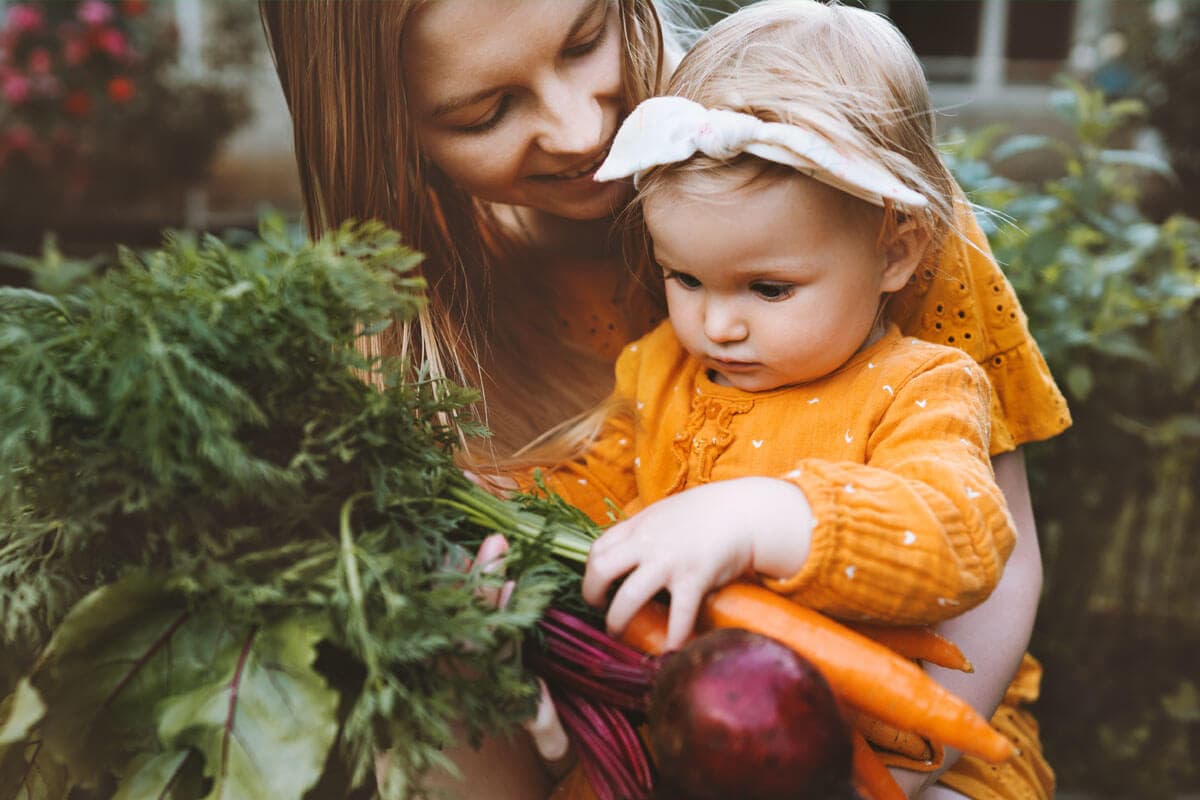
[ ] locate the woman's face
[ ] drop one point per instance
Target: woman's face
(517, 101)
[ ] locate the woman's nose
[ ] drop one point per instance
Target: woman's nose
(572, 118)
(722, 323)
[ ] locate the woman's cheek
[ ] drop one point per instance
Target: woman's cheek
(486, 168)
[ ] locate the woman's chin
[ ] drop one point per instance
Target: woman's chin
(584, 201)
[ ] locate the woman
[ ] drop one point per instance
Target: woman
(474, 129)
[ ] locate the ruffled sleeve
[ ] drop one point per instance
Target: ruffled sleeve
(920, 532)
(961, 298)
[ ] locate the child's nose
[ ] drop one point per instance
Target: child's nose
(722, 323)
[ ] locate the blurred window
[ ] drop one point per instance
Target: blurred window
(990, 43)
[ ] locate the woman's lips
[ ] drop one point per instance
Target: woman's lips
(586, 171)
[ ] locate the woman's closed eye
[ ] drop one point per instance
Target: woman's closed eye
(586, 47)
(684, 279)
(495, 114)
(772, 291)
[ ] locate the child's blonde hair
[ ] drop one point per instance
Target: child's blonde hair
(358, 157)
(845, 73)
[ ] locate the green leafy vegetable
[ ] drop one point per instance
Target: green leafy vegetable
(221, 549)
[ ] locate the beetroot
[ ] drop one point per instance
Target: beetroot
(738, 715)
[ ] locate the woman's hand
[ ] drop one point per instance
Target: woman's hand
(695, 541)
(544, 728)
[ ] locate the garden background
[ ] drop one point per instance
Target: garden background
(120, 119)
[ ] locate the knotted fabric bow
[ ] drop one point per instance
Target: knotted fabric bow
(668, 130)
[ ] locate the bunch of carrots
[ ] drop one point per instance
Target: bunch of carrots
(890, 701)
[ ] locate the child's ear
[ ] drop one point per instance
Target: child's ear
(903, 254)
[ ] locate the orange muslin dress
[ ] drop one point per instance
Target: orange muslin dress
(960, 299)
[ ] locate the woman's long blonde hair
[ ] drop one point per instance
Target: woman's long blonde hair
(358, 158)
(843, 72)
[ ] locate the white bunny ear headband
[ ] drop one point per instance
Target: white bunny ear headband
(668, 130)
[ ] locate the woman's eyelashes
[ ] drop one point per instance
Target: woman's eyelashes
(493, 119)
(593, 41)
(501, 108)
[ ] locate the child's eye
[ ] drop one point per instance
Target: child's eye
(685, 280)
(772, 291)
(491, 120)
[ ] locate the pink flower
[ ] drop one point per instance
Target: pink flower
(21, 18)
(78, 103)
(121, 89)
(15, 88)
(40, 61)
(75, 51)
(113, 42)
(94, 12)
(19, 137)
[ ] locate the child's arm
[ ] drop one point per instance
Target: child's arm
(920, 533)
(917, 535)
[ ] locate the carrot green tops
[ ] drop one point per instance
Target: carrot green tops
(891, 452)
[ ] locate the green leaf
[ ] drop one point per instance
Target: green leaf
(173, 775)
(1184, 704)
(19, 712)
(117, 653)
(1080, 381)
(264, 719)
(1137, 159)
(29, 773)
(1024, 143)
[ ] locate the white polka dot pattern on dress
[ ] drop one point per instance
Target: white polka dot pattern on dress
(757, 443)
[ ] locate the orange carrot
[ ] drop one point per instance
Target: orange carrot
(915, 641)
(863, 673)
(647, 631)
(889, 737)
(871, 777)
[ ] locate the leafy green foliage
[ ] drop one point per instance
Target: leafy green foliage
(1112, 298)
(202, 495)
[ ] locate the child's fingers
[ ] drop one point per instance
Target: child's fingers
(638, 588)
(612, 537)
(681, 616)
(602, 569)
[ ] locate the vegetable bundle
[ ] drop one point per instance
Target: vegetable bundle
(225, 566)
(230, 567)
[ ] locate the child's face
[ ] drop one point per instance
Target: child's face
(517, 101)
(774, 284)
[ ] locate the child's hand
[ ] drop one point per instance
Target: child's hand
(695, 541)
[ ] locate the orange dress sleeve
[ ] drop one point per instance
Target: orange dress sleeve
(960, 298)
